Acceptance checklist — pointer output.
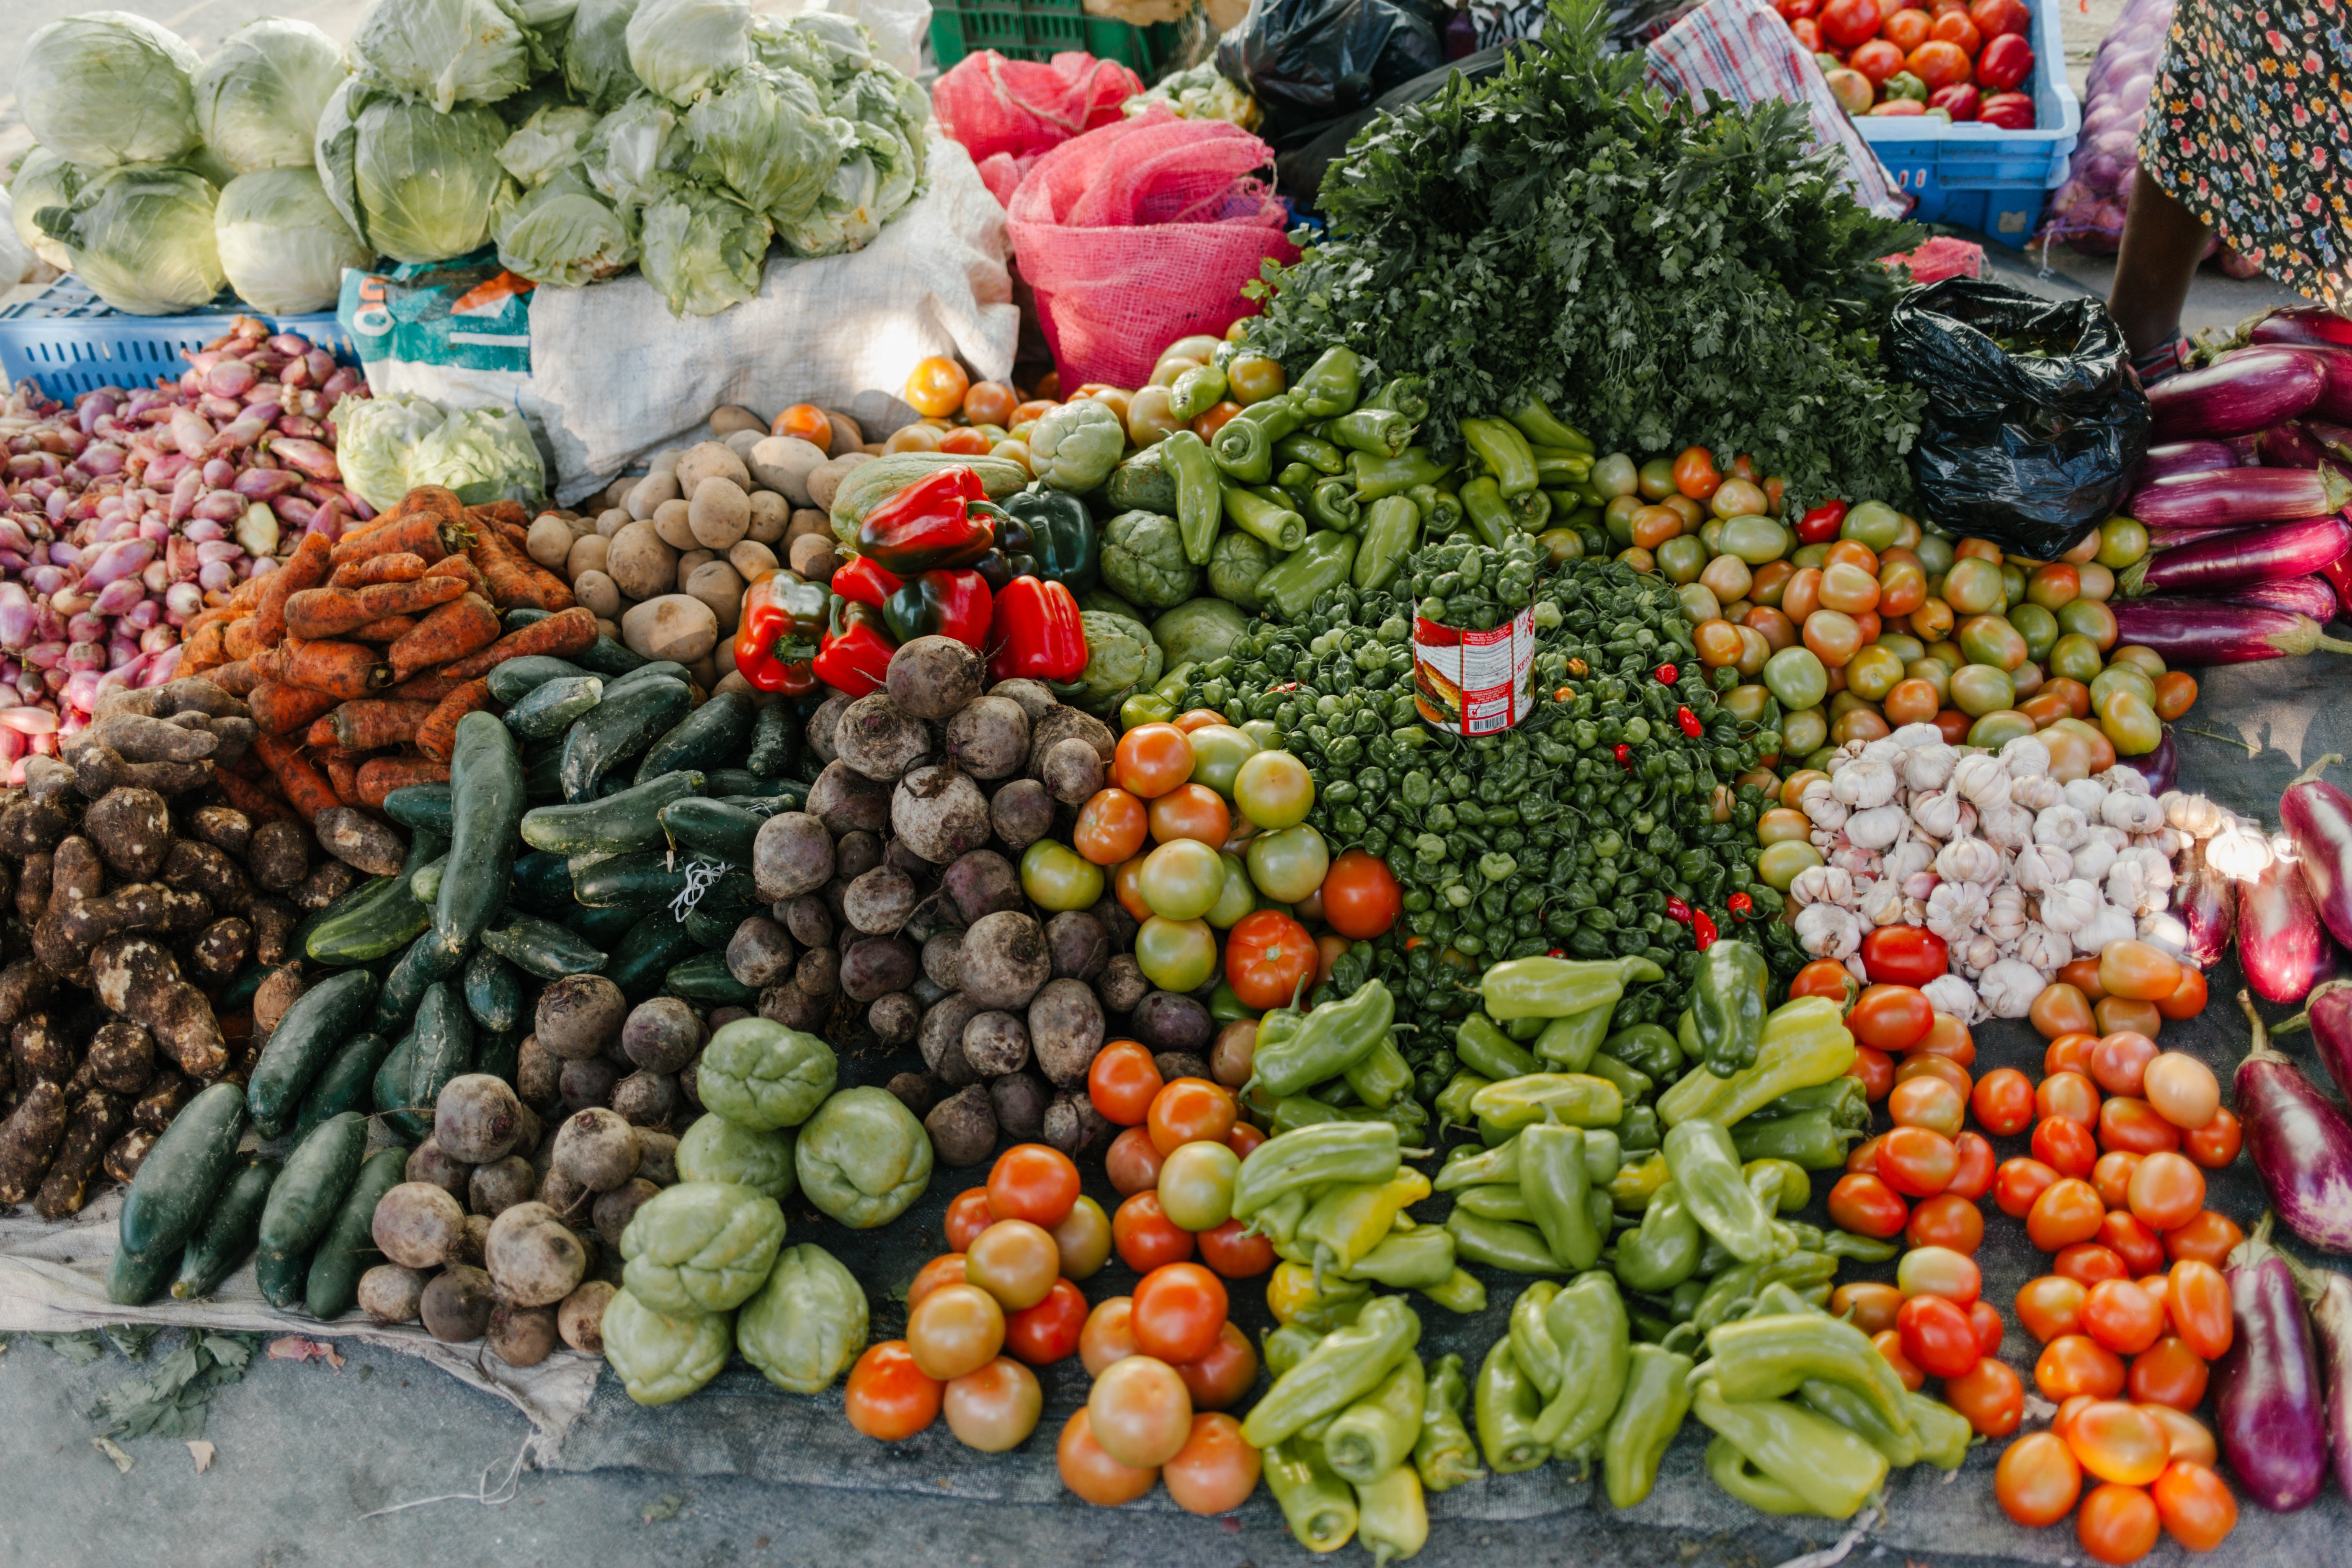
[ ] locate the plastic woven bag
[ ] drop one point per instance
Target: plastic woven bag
(2034, 420)
(2087, 212)
(994, 105)
(1140, 233)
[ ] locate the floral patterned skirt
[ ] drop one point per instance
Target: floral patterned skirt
(2251, 129)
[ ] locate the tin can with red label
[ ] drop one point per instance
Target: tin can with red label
(1474, 682)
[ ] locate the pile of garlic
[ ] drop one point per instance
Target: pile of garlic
(2017, 872)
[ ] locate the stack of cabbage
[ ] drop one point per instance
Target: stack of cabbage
(158, 179)
(678, 135)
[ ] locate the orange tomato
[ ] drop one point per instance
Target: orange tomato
(1945, 1220)
(2186, 1437)
(1177, 1311)
(2209, 1237)
(2168, 1373)
(2070, 1095)
(1954, 27)
(1991, 1395)
(806, 421)
(2166, 1190)
(2004, 1102)
(2018, 1183)
(965, 441)
(1891, 1018)
(1108, 1334)
(1869, 1306)
(2090, 1263)
(1093, 1474)
(1889, 1346)
(2131, 1124)
(1152, 759)
(1111, 826)
(2077, 1363)
(2119, 1315)
(2139, 971)
(2131, 1238)
(2051, 1305)
(1826, 977)
(1875, 1068)
(2117, 1523)
(1867, 1205)
(1126, 886)
(2215, 1144)
(2061, 1009)
(1695, 473)
(1122, 1081)
(1189, 810)
(1916, 1161)
(2112, 1013)
(1216, 1471)
(2070, 1052)
(1190, 1110)
(2066, 1146)
(1907, 30)
(915, 437)
(2068, 1211)
(2176, 694)
(1948, 1037)
(1362, 899)
(1034, 1182)
(2119, 1061)
(1145, 1237)
(888, 1397)
(936, 386)
(948, 1269)
(2037, 1480)
(967, 1215)
(988, 402)
(2194, 1506)
(2198, 1307)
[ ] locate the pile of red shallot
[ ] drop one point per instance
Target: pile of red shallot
(128, 512)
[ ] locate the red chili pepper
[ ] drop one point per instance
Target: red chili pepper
(942, 520)
(1667, 674)
(1703, 929)
(862, 581)
(783, 618)
(1624, 755)
(1820, 525)
(1555, 952)
(1689, 722)
(1678, 912)
(1741, 905)
(1037, 635)
(854, 652)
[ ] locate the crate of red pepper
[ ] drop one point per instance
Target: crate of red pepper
(1965, 102)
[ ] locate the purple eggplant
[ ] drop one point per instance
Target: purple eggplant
(2327, 1014)
(2174, 538)
(2289, 446)
(2233, 498)
(2302, 324)
(2269, 1408)
(2198, 631)
(2319, 817)
(2281, 944)
(2328, 1297)
(2259, 554)
(2206, 903)
(2160, 767)
(2301, 1144)
(2335, 439)
(2244, 392)
(2298, 596)
(2335, 405)
(2184, 458)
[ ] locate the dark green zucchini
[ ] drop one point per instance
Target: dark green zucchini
(542, 883)
(238, 992)
(343, 1083)
(229, 1235)
(321, 1019)
(498, 1052)
(132, 1280)
(606, 657)
(318, 1173)
(548, 710)
(703, 739)
(282, 1278)
(657, 669)
(648, 880)
(629, 820)
(704, 978)
(183, 1174)
(493, 990)
(742, 782)
(515, 678)
(420, 805)
(538, 947)
(542, 777)
(774, 738)
(412, 1077)
(712, 928)
(616, 729)
(347, 1250)
(699, 826)
(515, 620)
(645, 955)
(487, 802)
(425, 962)
(602, 928)
(382, 916)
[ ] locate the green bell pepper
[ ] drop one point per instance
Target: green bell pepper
(1649, 1414)
(1441, 510)
(1444, 1455)
(1200, 493)
(1063, 544)
(1504, 451)
(1812, 1139)
(1319, 565)
(1728, 1004)
(1331, 385)
(1273, 522)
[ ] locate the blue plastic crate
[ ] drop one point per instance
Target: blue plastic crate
(69, 340)
(1978, 175)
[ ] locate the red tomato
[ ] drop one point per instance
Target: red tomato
(1220, 1378)
(1122, 1081)
(2197, 1305)
(2068, 1211)
(1178, 1310)
(948, 1269)
(1845, 23)
(2066, 1146)
(1695, 473)
(1867, 1207)
(2119, 1315)
(1907, 30)
(1903, 955)
(1132, 1163)
(1989, 1395)
(1945, 1220)
(1049, 1330)
(1093, 1474)
(1243, 1141)
(2076, 1364)
(2216, 1143)
(1990, 1330)
(1918, 1161)
(1994, 17)
(1869, 1306)
(2131, 1238)
(2210, 1237)
(1861, 1159)
(1888, 1343)
(2112, 1176)
(1152, 760)
(2089, 1263)
(2004, 1102)
(967, 1215)
(2018, 1183)
(1144, 1236)
(2007, 111)
(2194, 1505)
(1972, 1177)
(2051, 1305)
(1269, 959)
(890, 1399)
(1190, 1110)
(1826, 977)
(1937, 1336)
(2037, 1480)
(2132, 1125)
(2169, 1373)
(1803, 29)
(1360, 897)
(1877, 60)
(1232, 1251)
(1033, 1181)
(2070, 1095)
(1891, 1018)
(1954, 27)
(1875, 1068)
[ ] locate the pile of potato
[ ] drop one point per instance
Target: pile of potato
(663, 562)
(896, 890)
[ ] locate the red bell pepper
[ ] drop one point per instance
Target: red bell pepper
(941, 603)
(1037, 635)
(1820, 525)
(783, 616)
(1960, 101)
(942, 520)
(2009, 110)
(2006, 61)
(863, 582)
(854, 652)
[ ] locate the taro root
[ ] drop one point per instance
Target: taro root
(280, 855)
(132, 830)
(121, 1057)
(29, 1138)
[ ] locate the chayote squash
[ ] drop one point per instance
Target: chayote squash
(717, 1150)
(863, 1157)
(700, 1246)
(759, 1074)
(806, 1324)
(660, 1359)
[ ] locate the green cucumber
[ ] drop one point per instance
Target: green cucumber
(516, 678)
(348, 1250)
(239, 991)
(132, 1280)
(629, 820)
(281, 1279)
(182, 1172)
(774, 740)
(703, 739)
(441, 1048)
(540, 948)
(644, 957)
(499, 1053)
(606, 657)
(772, 796)
(648, 880)
(425, 887)
(425, 962)
(318, 1173)
(515, 620)
(617, 729)
(343, 1083)
(699, 826)
(229, 1235)
(493, 990)
(420, 805)
(550, 710)
(487, 802)
(657, 669)
(704, 978)
(542, 779)
(321, 1019)
(712, 928)
(602, 928)
(381, 917)
(542, 883)
(744, 782)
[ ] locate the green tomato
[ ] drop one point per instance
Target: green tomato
(1239, 897)
(1982, 689)
(1289, 864)
(2131, 723)
(2145, 658)
(1874, 522)
(1617, 517)
(1973, 587)
(1803, 732)
(2118, 678)
(1710, 533)
(1699, 603)
(2093, 619)
(2123, 542)
(1196, 1185)
(2037, 625)
(1057, 877)
(1264, 731)
(1990, 639)
(1756, 540)
(1934, 554)
(1935, 672)
(1615, 475)
(2074, 657)
(1813, 556)
(2012, 583)
(1218, 752)
(1873, 672)
(1176, 955)
(1747, 702)
(1274, 789)
(1903, 646)
(1796, 678)
(1681, 559)
(1182, 880)
(1998, 729)
(1656, 478)
(1778, 866)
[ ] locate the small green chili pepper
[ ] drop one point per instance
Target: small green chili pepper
(1453, 1101)
(1726, 1292)
(1859, 1248)
(1444, 1455)
(1656, 1399)
(1459, 1291)
(1506, 1406)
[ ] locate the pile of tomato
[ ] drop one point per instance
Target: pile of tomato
(1966, 58)
(1174, 1165)
(1934, 1322)
(1166, 1364)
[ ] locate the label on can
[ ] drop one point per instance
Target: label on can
(1473, 683)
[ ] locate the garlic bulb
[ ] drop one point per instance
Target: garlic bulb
(2062, 825)
(2129, 780)
(1977, 954)
(1968, 859)
(2239, 850)
(2192, 814)
(1878, 826)
(1821, 885)
(2009, 988)
(2085, 795)
(2004, 918)
(2164, 931)
(1823, 808)
(2010, 827)
(2108, 923)
(1918, 737)
(1881, 903)
(2067, 907)
(2026, 756)
(1907, 859)
(1956, 910)
(2094, 859)
(1826, 930)
(2036, 793)
(1864, 783)
(2041, 866)
(1982, 780)
(1936, 812)
(2131, 813)
(2043, 948)
(1950, 994)
(1928, 766)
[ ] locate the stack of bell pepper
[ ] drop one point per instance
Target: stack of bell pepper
(1331, 1200)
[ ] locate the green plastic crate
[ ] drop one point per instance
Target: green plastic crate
(1039, 29)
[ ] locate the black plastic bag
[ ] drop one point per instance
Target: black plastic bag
(1310, 62)
(1299, 173)
(2034, 421)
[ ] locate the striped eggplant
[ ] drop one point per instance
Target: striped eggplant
(2200, 631)
(2318, 816)
(2232, 498)
(2246, 392)
(2256, 555)
(2310, 596)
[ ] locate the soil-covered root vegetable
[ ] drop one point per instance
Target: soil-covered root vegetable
(521, 1336)
(580, 1317)
(596, 1148)
(983, 883)
(808, 919)
(416, 1225)
(845, 800)
(995, 1044)
(940, 1038)
(671, 626)
(29, 1139)
(657, 1154)
(1079, 946)
(132, 830)
(280, 855)
(391, 1294)
(533, 1259)
(874, 967)
(457, 1303)
(794, 1008)
(1121, 985)
(918, 1091)
(1164, 1021)
(537, 1073)
(761, 952)
(878, 738)
(588, 1083)
(1062, 722)
(121, 1057)
(1072, 1125)
(1065, 1030)
(579, 1015)
(988, 737)
(661, 1035)
(1004, 960)
(1018, 1101)
(1020, 813)
(879, 900)
(494, 1188)
(434, 1166)
(645, 1099)
(942, 954)
(1072, 771)
(361, 841)
(941, 813)
(793, 855)
(476, 1118)
(962, 1127)
(135, 977)
(818, 973)
(933, 678)
(613, 1211)
(854, 855)
(895, 1018)
(819, 730)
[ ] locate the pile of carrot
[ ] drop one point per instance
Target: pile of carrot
(357, 658)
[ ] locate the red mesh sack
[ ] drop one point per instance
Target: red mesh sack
(1140, 233)
(994, 105)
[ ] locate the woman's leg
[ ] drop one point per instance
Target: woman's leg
(2162, 243)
